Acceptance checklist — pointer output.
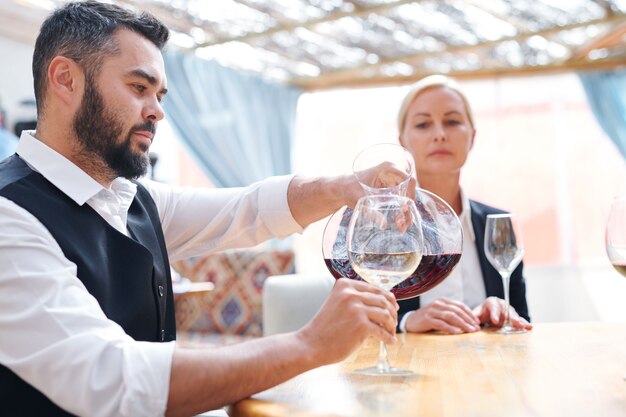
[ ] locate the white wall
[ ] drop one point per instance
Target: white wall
(575, 293)
(16, 80)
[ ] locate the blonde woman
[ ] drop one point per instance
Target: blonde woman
(436, 125)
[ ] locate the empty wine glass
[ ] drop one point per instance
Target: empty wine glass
(615, 238)
(384, 168)
(384, 248)
(504, 249)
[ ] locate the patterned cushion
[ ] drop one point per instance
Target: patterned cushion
(234, 306)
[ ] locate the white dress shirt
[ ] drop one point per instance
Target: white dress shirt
(56, 337)
(465, 283)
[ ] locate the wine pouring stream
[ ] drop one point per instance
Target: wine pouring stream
(385, 171)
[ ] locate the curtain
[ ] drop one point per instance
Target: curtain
(606, 94)
(238, 127)
(8, 143)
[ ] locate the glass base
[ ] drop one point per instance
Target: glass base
(376, 371)
(509, 330)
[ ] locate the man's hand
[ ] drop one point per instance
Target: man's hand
(312, 199)
(388, 176)
(353, 311)
(203, 379)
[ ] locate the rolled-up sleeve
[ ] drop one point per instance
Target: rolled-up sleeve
(56, 337)
(196, 221)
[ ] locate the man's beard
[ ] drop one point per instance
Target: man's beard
(98, 130)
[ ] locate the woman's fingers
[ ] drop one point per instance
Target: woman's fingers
(443, 315)
(493, 313)
(454, 311)
(519, 322)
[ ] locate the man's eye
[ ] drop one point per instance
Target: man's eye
(139, 87)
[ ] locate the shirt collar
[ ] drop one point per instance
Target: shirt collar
(466, 217)
(63, 173)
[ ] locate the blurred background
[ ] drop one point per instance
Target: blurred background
(270, 87)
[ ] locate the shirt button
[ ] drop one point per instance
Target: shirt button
(161, 290)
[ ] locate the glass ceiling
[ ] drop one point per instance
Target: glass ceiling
(320, 44)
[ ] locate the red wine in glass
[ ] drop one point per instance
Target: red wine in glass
(430, 272)
(443, 241)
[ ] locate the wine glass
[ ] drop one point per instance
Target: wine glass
(504, 248)
(615, 238)
(616, 235)
(385, 248)
(442, 245)
(384, 168)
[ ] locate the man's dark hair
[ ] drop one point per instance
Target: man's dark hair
(83, 32)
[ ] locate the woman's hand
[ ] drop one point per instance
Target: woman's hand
(491, 312)
(443, 315)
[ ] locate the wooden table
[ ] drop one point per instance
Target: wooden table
(560, 369)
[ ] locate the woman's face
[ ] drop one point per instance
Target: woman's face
(437, 131)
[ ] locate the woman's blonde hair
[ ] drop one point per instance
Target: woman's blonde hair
(432, 81)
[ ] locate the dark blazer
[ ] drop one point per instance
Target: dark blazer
(491, 277)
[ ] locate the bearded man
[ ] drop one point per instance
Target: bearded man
(86, 310)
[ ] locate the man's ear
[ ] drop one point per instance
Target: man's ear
(66, 80)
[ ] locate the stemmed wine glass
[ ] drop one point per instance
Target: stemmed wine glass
(384, 247)
(615, 238)
(504, 249)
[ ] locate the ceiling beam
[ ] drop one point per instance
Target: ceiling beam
(322, 83)
(164, 15)
(348, 75)
(611, 39)
(508, 19)
(362, 11)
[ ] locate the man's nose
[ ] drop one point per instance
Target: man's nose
(154, 111)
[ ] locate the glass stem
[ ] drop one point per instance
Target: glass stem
(383, 362)
(506, 279)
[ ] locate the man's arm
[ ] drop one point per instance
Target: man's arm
(197, 221)
(211, 378)
(312, 199)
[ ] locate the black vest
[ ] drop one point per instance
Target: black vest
(129, 276)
